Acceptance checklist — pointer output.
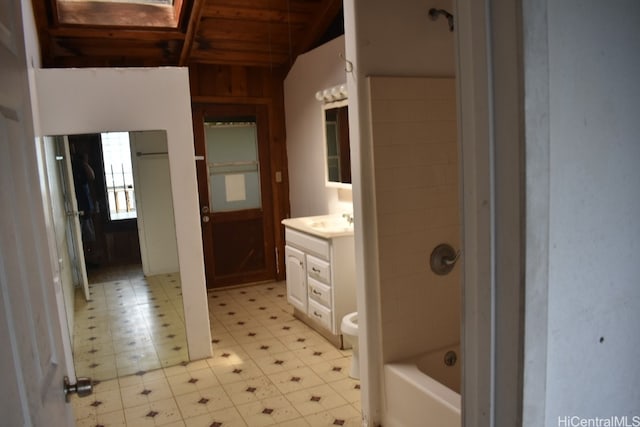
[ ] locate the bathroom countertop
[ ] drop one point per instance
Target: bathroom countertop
(324, 226)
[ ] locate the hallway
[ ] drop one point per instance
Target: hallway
(268, 368)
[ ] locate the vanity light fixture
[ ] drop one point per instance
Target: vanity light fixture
(335, 93)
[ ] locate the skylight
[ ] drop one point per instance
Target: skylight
(162, 2)
(128, 13)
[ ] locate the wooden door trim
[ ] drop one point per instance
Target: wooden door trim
(202, 180)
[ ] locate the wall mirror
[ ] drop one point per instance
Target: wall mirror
(338, 156)
(335, 119)
(83, 101)
(114, 223)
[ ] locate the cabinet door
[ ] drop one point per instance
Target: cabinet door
(296, 278)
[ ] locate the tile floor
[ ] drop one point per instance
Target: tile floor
(268, 368)
(132, 323)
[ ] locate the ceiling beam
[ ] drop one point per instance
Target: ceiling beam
(251, 59)
(192, 30)
(41, 15)
(115, 34)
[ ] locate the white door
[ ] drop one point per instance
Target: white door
(32, 360)
(76, 250)
(154, 202)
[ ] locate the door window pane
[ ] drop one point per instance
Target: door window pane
(234, 174)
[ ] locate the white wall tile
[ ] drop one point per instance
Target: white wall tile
(417, 202)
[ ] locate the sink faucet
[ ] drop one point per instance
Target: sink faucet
(348, 217)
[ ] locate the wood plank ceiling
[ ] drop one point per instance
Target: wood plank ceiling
(252, 33)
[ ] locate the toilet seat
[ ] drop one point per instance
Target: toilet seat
(349, 328)
(350, 324)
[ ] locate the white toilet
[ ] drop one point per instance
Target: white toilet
(349, 328)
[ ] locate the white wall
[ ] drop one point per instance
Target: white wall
(593, 345)
(382, 39)
(94, 100)
(316, 70)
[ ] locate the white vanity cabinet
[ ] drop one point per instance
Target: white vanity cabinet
(321, 278)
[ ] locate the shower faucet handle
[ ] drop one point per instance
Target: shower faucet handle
(451, 261)
(443, 259)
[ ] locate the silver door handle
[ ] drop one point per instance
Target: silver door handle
(83, 387)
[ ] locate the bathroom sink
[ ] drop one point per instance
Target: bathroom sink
(327, 226)
(331, 225)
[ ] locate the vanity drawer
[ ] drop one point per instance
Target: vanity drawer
(319, 292)
(318, 269)
(307, 243)
(320, 314)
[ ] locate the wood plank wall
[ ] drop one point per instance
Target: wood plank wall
(229, 84)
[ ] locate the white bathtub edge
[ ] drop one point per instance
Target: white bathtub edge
(411, 396)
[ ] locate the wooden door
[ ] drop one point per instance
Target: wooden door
(33, 360)
(234, 185)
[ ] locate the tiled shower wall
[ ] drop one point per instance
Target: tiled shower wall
(417, 199)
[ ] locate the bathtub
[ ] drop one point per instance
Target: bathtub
(423, 391)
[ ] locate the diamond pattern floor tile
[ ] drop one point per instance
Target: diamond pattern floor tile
(267, 368)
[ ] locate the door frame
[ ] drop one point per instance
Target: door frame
(491, 125)
(261, 114)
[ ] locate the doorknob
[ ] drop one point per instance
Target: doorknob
(83, 386)
(205, 212)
